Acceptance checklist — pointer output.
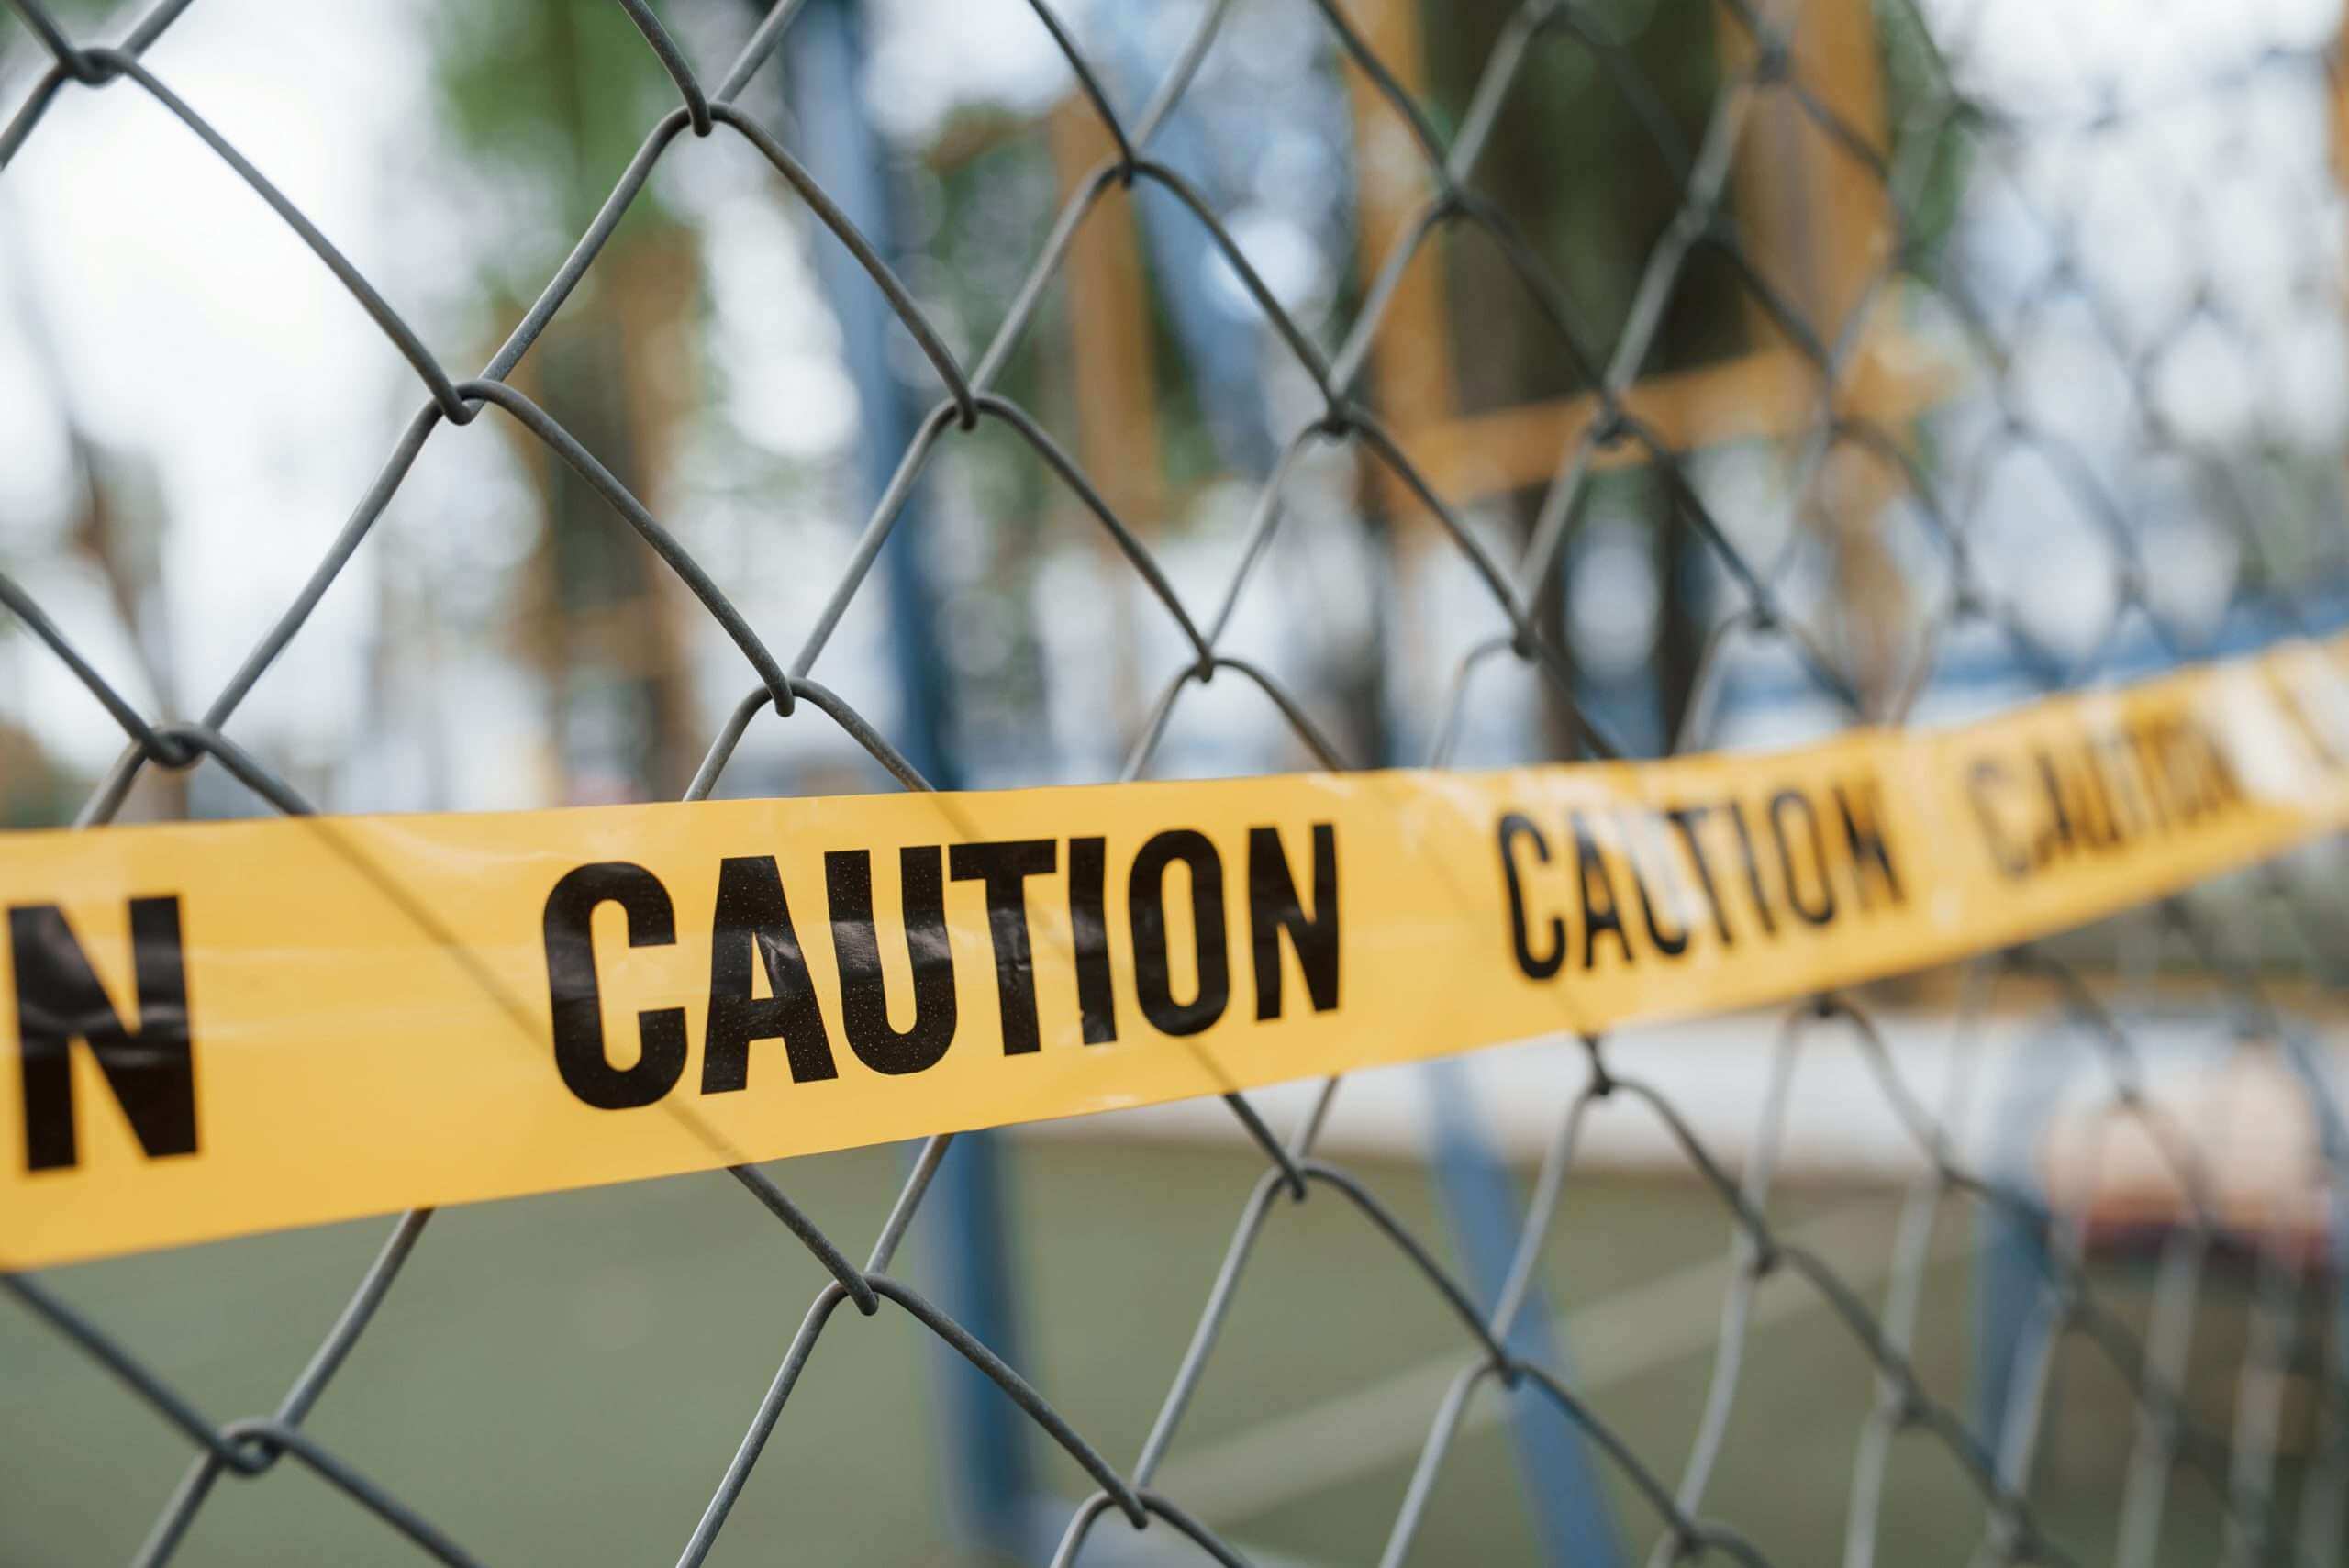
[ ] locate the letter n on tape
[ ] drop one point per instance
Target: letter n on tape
(150, 1067)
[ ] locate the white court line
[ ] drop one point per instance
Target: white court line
(1383, 1424)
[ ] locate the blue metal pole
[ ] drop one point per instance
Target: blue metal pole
(984, 1455)
(1566, 1496)
(2013, 1264)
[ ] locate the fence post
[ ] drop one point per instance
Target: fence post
(1573, 1525)
(2012, 1263)
(982, 1443)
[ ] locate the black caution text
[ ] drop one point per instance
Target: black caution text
(1281, 889)
(1599, 886)
(2099, 791)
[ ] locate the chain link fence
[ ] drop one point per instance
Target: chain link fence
(2069, 421)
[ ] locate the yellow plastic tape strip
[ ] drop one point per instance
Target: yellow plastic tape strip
(214, 1028)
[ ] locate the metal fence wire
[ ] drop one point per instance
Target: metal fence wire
(2282, 921)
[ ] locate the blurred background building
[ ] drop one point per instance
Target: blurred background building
(193, 405)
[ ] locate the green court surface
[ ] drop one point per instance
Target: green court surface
(563, 1379)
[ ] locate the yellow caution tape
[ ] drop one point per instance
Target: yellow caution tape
(221, 1027)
